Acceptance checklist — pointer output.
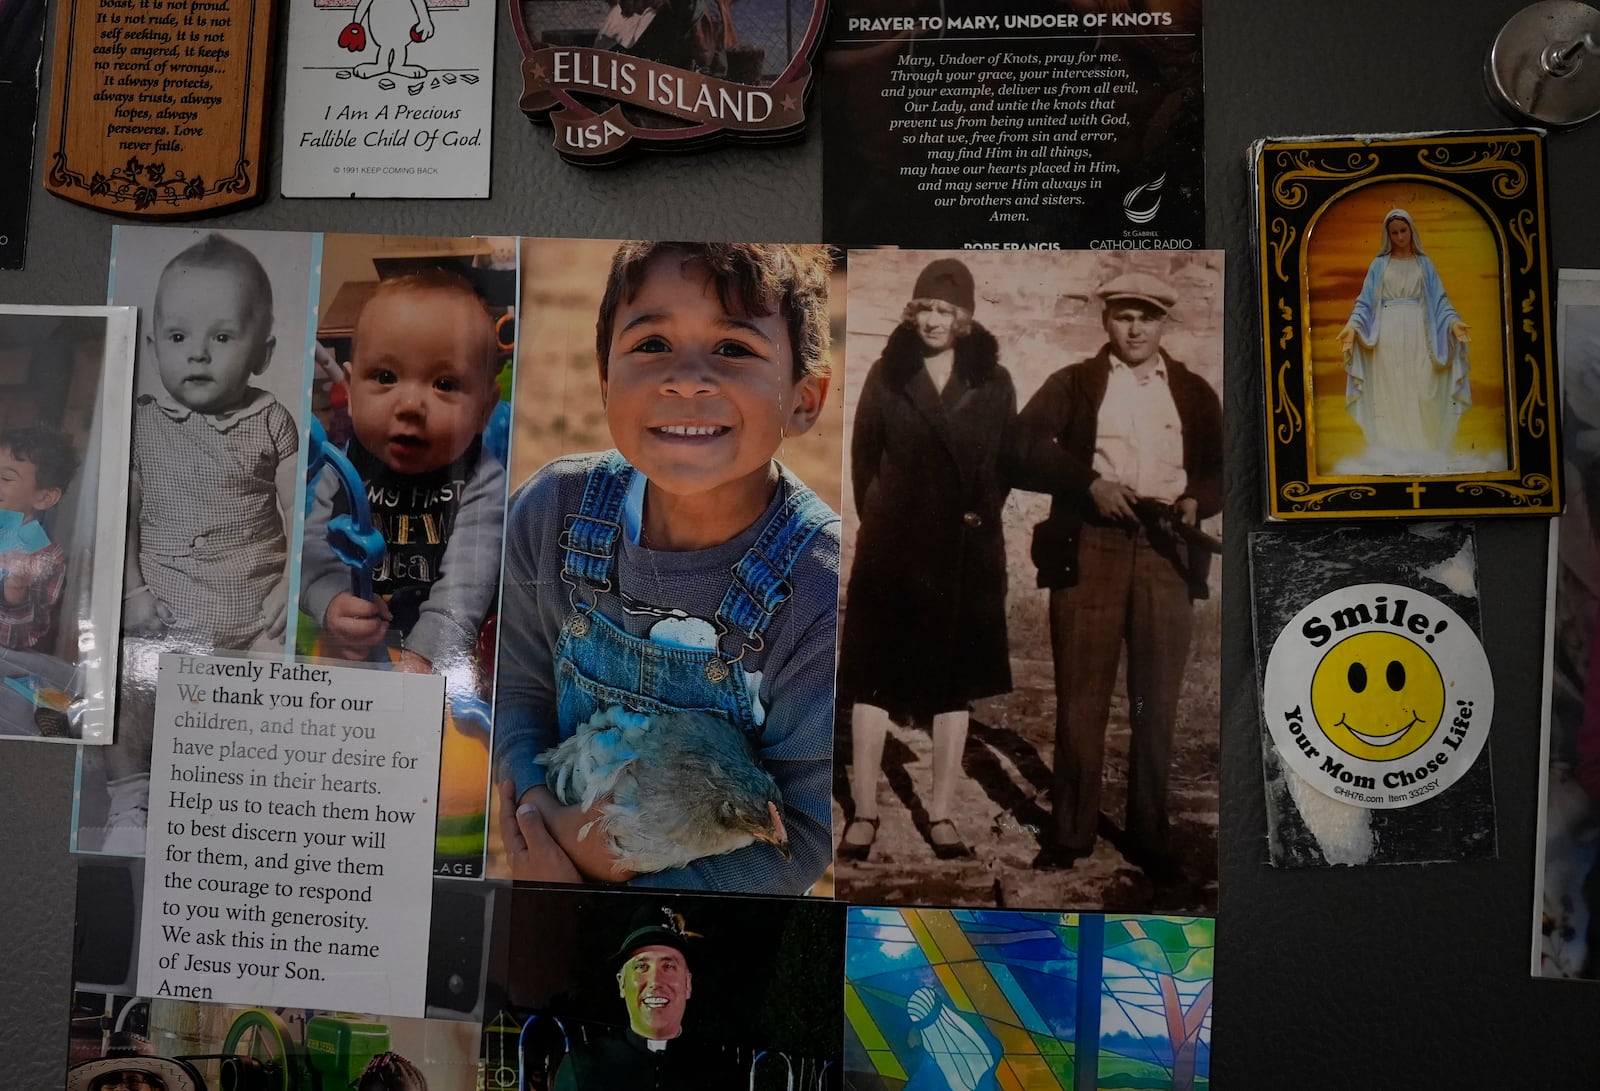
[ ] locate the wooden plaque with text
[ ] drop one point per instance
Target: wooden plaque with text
(159, 106)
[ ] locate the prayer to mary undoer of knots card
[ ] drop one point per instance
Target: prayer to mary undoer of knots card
(963, 123)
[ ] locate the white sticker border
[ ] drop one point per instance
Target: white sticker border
(1386, 785)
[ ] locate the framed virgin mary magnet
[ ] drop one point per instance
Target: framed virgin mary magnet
(615, 76)
(1406, 306)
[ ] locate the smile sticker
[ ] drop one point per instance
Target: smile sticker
(1378, 695)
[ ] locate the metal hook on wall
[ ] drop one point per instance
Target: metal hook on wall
(1544, 65)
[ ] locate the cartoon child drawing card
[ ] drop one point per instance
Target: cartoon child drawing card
(388, 98)
(1377, 696)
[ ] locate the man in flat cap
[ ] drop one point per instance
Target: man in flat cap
(1129, 445)
(653, 1051)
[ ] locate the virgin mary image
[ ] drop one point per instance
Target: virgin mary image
(1405, 358)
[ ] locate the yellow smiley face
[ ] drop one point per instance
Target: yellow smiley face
(1377, 696)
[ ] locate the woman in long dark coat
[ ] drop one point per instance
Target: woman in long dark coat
(925, 625)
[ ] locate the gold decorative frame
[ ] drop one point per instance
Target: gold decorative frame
(1501, 177)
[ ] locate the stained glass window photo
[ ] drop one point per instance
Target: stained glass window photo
(963, 1000)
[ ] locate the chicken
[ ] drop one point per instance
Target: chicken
(671, 788)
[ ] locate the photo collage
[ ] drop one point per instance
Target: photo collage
(492, 629)
(774, 621)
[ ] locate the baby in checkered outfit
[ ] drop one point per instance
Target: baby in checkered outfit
(212, 481)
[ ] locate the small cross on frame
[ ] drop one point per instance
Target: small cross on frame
(1416, 489)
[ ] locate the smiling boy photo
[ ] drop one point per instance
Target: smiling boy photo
(684, 582)
(66, 379)
(36, 463)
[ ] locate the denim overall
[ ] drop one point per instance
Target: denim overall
(598, 664)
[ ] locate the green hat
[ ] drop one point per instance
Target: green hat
(658, 927)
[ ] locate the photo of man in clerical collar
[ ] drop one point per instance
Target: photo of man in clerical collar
(614, 991)
(655, 984)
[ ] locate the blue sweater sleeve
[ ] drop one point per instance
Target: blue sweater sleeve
(525, 694)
